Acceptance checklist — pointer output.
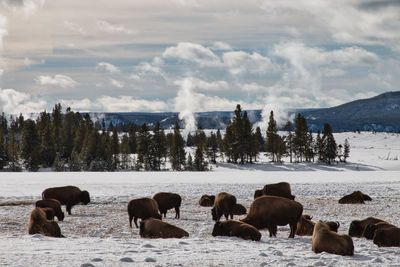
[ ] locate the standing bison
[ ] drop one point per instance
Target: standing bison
(53, 204)
(239, 209)
(279, 190)
(38, 224)
(142, 208)
(357, 228)
(207, 200)
(270, 212)
(224, 205)
(389, 237)
(355, 198)
(325, 240)
(236, 228)
(67, 195)
(167, 201)
(154, 228)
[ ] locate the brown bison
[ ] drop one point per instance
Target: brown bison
(207, 200)
(49, 213)
(236, 228)
(154, 228)
(279, 190)
(325, 240)
(67, 195)
(224, 205)
(355, 198)
(142, 208)
(38, 224)
(53, 204)
(258, 193)
(357, 228)
(270, 212)
(239, 209)
(389, 237)
(305, 227)
(370, 229)
(168, 201)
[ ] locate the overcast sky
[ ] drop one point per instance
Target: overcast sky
(197, 55)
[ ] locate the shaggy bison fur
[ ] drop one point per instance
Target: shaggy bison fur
(142, 208)
(355, 198)
(49, 213)
(271, 211)
(325, 240)
(371, 228)
(236, 228)
(305, 227)
(167, 201)
(389, 237)
(239, 209)
(357, 227)
(53, 204)
(279, 190)
(154, 228)
(224, 205)
(67, 195)
(207, 200)
(38, 224)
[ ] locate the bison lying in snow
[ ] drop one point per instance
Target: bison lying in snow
(154, 228)
(325, 240)
(53, 204)
(389, 237)
(305, 227)
(357, 227)
(38, 224)
(167, 201)
(142, 208)
(279, 190)
(370, 229)
(67, 195)
(239, 209)
(49, 213)
(224, 205)
(258, 193)
(355, 198)
(236, 228)
(270, 212)
(207, 200)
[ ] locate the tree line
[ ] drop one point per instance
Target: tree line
(71, 141)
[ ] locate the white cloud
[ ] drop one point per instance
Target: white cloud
(202, 85)
(129, 103)
(15, 102)
(59, 80)
(193, 53)
(221, 46)
(73, 27)
(3, 31)
(108, 27)
(117, 83)
(241, 62)
(28, 7)
(105, 66)
(84, 104)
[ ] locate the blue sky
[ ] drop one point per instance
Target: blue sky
(177, 55)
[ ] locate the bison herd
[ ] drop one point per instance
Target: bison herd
(273, 206)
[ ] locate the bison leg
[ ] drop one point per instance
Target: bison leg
(231, 215)
(177, 213)
(293, 228)
(135, 221)
(272, 229)
(130, 220)
(69, 209)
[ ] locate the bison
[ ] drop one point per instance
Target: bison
(271, 211)
(370, 229)
(38, 224)
(305, 227)
(325, 240)
(355, 198)
(236, 228)
(142, 208)
(389, 237)
(279, 190)
(224, 205)
(53, 204)
(168, 201)
(357, 227)
(239, 209)
(258, 193)
(207, 200)
(154, 228)
(49, 213)
(67, 195)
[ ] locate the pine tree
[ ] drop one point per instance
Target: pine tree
(329, 144)
(125, 152)
(47, 148)
(30, 145)
(177, 152)
(115, 148)
(159, 147)
(3, 147)
(246, 139)
(346, 152)
(319, 147)
(272, 137)
(143, 146)
(189, 163)
(57, 123)
(200, 164)
(289, 140)
(300, 137)
(212, 147)
(12, 148)
(259, 139)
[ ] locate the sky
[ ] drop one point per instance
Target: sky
(192, 55)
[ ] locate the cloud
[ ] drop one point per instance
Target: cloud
(108, 27)
(202, 85)
(221, 46)
(3, 31)
(84, 104)
(129, 103)
(192, 52)
(73, 27)
(241, 62)
(28, 7)
(15, 102)
(59, 80)
(116, 83)
(105, 66)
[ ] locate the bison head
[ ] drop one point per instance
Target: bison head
(85, 197)
(258, 193)
(333, 226)
(215, 214)
(355, 229)
(61, 217)
(369, 231)
(218, 229)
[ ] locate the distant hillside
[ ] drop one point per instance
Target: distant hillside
(380, 113)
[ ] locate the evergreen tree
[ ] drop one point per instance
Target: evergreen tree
(47, 148)
(30, 145)
(289, 140)
(12, 148)
(160, 147)
(259, 139)
(3, 152)
(319, 147)
(189, 163)
(329, 144)
(200, 164)
(115, 148)
(272, 137)
(125, 152)
(300, 139)
(143, 146)
(212, 147)
(346, 152)
(309, 148)
(177, 152)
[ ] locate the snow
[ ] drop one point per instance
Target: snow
(99, 235)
